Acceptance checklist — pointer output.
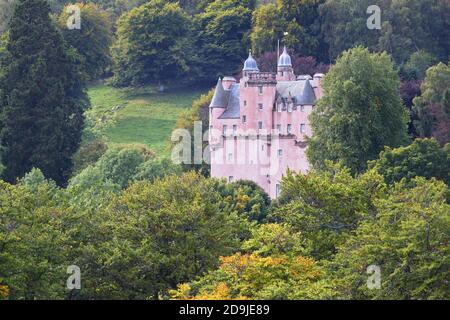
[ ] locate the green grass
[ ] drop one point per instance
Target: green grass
(147, 117)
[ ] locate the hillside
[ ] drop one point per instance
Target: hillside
(144, 115)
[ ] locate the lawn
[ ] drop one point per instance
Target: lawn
(145, 116)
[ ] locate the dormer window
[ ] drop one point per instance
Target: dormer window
(290, 106)
(280, 106)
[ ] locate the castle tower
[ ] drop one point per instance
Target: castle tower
(285, 72)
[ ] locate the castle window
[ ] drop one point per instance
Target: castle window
(289, 128)
(279, 128)
(302, 108)
(278, 190)
(260, 106)
(245, 103)
(230, 156)
(280, 152)
(302, 128)
(280, 106)
(260, 89)
(234, 129)
(224, 129)
(244, 119)
(289, 106)
(260, 125)
(230, 178)
(262, 147)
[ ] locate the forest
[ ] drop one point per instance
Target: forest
(141, 227)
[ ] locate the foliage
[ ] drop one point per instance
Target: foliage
(417, 65)
(32, 242)
(88, 154)
(152, 44)
(296, 23)
(6, 11)
(92, 41)
(273, 269)
(408, 239)
(423, 158)
(121, 163)
(223, 31)
(199, 111)
(326, 206)
(246, 198)
(407, 26)
(432, 108)
(153, 236)
(41, 97)
(154, 169)
(361, 111)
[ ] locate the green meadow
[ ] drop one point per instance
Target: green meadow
(143, 115)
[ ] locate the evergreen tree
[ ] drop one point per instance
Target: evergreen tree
(41, 97)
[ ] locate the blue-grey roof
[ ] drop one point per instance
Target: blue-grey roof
(220, 98)
(285, 59)
(301, 90)
(250, 64)
(233, 110)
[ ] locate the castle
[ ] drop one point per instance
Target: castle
(258, 126)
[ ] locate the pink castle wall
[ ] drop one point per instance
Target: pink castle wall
(251, 153)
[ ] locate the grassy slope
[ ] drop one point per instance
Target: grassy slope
(147, 117)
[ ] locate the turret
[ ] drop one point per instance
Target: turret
(285, 72)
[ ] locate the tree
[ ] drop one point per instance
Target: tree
(268, 28)
(32, 239)
(417, 65)
(246, 198)
(407, 239)
(152, 45)
(92, 41)
(344, 25)
(42, 97)
(423, 158)
(360, 113)
(119, 165)
(325, 207)
(432, 108)
(296, 23)
(406, 27)
(223, 32)
(199, 111)
(6, 11)
(411, 25)
(271, 272)
(153, 236)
